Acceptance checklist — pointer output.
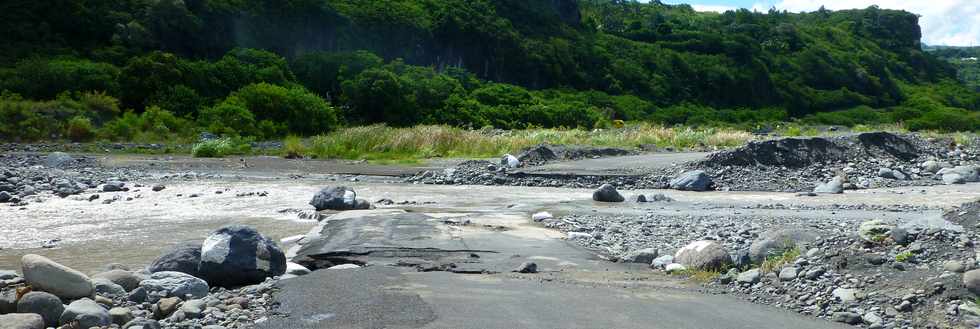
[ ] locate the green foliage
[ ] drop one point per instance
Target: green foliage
(904, 257)
(293, 147)
(240, 67)
(154, 124)
(80, 129)
(40, 78)
(221, 147)
(774, 263)
(268, 110)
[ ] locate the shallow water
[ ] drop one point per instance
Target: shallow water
(134, 232)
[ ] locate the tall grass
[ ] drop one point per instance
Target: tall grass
(382, 142)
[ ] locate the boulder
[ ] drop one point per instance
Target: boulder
(46, 275)
(846, 317)
(8, 301)
(703, 255)
(335, 198)
(674, 268)
(642, 256)
(509, 161)
(361, 204)
(834, 186)
(113, 186)
(889, 173)
(173, 284)
(21, 321)
(541, 216)
(193, 309)
(660, 197)
(165, 307)
(105, 287)
(959, 174)
(775, 242)
(158, 188)
(696, 180)
(875, 231)
(607, 193)
(641, 198)
(954, 266)
(142, 323)
(58, 160)
(296, 269)
(44, 304)
(933, 166)
(120, 315)
(752, 276)
(126, 279)
(971, 280)
(527, 267)
(237, 255)
(87, 312)
(788, 274)
(662, 261)
(845, 295)
(183, 258)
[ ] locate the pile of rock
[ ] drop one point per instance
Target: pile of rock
(223, 283)
(28, 175)
(874, 273)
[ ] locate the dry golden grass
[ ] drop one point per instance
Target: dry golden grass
(379, 142)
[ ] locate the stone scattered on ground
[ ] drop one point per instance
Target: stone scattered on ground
(607, 193)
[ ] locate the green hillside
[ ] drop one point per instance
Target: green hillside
(161, 69)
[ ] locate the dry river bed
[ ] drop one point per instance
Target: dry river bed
(87, 235)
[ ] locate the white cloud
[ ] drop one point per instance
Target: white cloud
(944, 22)
(714, 8)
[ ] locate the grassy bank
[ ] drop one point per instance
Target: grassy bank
(378, 142)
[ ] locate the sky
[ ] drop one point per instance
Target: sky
(944, 22)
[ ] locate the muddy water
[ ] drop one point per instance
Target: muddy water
(134, 232)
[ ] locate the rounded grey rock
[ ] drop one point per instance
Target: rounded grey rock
(607, 193)
(45, 304)
(87, 313)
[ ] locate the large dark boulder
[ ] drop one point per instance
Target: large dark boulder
(607, 193)
(183, 258)
(335, 198)
(237, 255)
(696, 180)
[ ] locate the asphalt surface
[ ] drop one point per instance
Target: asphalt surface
(435, 271)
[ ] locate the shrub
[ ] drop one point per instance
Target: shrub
(80, 129)
(212, 149)
(293, 147)
(277, 109)
(221, 147)
(155, 124)
(229, 118)
(180, 99)
(40, 78)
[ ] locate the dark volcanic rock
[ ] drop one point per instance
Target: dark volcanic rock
(335, 198)
(183, 258)
(788, 152)
(607, 193)
(238, 255)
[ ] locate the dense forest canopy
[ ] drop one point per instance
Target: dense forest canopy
(145, 69)
(966, 60)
